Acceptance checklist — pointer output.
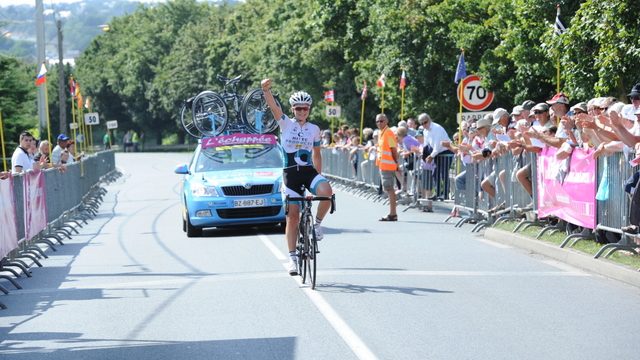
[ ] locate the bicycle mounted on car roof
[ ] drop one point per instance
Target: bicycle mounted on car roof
(207, 114)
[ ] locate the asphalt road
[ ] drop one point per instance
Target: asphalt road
(133, 286)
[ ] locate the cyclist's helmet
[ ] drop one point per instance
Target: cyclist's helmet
(300, 98)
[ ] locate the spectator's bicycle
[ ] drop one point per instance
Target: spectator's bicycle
(210, 111)
(307, 248)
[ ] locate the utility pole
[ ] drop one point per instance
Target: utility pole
(61, 83)
(42, 110)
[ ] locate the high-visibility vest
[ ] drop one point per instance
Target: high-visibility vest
(385, 160)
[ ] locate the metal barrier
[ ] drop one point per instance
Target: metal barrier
(72, 197)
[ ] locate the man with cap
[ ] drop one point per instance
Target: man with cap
(527, 105)
(62, 144)
(629, 137)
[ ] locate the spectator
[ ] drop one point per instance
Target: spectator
(44, 153)
(434, 135)
(326, 138)
(22, 161)
(387, 162)
(73, 156)
(412, 126)
(106, 140)
(527, 105)
(62, 144)
(126, 141)
(135, 140)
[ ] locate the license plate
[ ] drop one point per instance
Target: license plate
(248, 202)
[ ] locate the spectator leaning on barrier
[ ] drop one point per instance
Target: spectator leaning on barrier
(43, 154)
(434, 135)
(387, 162)
(21, 161)
(62, 144)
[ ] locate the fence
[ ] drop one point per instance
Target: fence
(355, 171)
(45, 207)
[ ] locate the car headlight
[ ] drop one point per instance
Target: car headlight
(203, 190)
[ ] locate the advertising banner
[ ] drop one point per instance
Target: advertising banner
(567, 188)
(35, 206)
(8, 230)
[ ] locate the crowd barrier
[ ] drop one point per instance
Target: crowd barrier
(560, 201)
(45, 207)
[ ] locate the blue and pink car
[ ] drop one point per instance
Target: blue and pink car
(232, 180)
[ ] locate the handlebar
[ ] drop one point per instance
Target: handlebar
(311, 198)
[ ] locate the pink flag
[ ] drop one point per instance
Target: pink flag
(380, 83)
(8, 230)
(35, 205)
(364, 92)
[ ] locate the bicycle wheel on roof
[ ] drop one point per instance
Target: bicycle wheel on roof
(255, 113)
(186, 118)
(210, 114)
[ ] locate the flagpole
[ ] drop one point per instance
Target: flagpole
(361, 119)
(382, 100)
(460, 96)
(402, 105)
(4, 155)
(46, 106)
(73, 114)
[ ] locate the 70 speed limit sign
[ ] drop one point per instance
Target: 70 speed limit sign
(474, 96)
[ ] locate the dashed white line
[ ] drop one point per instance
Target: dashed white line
(355, 343)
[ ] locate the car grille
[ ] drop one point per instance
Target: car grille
(253, 212)
(241, 190)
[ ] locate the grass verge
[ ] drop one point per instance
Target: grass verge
(588, 247)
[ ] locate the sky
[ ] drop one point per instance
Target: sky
(49, 2)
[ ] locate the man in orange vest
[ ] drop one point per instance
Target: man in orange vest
(387, 163)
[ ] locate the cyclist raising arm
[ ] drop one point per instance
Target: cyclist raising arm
(303, 163)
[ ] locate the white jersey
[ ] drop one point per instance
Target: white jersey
(298, 141)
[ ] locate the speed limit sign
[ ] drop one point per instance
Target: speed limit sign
(333, 111)
(91, 119)
(474, 96)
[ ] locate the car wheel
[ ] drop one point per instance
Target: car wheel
(184, 225)
(283, 226)
(192, 231)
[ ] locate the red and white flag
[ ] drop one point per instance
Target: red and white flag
(403, 80)
(42, 75)
(364, 92)
(328, 96)
(380, 82)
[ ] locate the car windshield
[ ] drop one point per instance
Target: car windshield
(234, 157)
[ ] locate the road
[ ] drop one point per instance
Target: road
(133, 286)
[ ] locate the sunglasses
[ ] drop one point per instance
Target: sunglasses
(538, 112)
(301, 108)
(635, 97)
(380, 121)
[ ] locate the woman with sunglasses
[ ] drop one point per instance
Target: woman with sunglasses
(303, 163)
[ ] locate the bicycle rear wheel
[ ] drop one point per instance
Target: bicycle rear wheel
(209, 113)
(255, 113)
(186, 118)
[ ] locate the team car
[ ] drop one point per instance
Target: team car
(232, 180)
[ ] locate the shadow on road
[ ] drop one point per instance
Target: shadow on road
(355, 288)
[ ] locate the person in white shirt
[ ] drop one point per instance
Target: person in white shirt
(22, 160)
(434, 135)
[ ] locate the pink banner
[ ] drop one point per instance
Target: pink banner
(35, 205)
(8, 225)
(568, 190)
(239, 139)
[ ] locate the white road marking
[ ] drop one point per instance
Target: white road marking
(359, 348)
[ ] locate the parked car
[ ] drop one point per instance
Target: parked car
(232, 180)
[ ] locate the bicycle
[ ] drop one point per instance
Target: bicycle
(307, 247)
(210, 113)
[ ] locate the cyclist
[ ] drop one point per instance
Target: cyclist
(303, 163)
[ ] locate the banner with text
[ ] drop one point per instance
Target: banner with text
(8, 227)
(35, 206)
(567, 188)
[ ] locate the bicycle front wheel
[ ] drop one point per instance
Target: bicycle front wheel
(209, 113)
(312, 253)
(255, 113)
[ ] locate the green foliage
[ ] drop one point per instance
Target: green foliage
(17, 97)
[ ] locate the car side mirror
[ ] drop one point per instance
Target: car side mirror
(182, 169)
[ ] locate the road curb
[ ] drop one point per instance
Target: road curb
(571, 257)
